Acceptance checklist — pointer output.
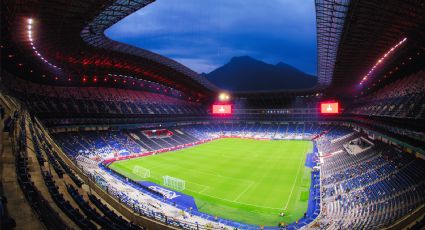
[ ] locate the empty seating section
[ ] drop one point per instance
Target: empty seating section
(98, 143)
(97, 100)
(35, 142)
(107, 144)
(111, 214)
(112, 222)
(403, 99)
(40, 205)
(368, 190)
(334, 138)
(255, 130)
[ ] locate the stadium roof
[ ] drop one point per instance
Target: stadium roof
(68, 42)
(370, 30)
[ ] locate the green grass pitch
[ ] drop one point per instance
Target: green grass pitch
(245, 180)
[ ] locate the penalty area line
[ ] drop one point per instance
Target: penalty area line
(244, 191)
(231, 201)
(295, 182)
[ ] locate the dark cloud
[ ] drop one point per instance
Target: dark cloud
(205, 34)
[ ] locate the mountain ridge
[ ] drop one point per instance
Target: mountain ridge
(249, 74)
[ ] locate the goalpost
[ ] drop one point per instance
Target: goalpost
(174, 183)
(141, 172)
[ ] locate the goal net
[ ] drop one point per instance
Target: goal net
(174, 183)
(141, 172)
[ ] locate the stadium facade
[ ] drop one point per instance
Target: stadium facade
(74, 102)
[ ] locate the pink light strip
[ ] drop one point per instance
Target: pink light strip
(382, 59)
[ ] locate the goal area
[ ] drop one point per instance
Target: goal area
(174, 183)
(141, 172)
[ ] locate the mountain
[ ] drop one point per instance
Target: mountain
(248, 74)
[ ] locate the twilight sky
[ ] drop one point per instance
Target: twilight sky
(206, 34)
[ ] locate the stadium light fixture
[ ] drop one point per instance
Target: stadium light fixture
(223, 97)
(381, 60)
(30, 33)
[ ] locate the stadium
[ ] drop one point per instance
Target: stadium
(103, 134)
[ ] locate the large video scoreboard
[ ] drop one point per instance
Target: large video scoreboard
(329, 107)
(222, 109)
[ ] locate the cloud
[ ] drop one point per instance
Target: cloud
(207, 33)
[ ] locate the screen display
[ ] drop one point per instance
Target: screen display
(222, 109)
(329, 107)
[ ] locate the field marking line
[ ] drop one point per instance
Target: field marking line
(236, 202)
(203, 190)
(158, 176)
(217, 174)
(244, 191)
(295, 181)
(189, 181)
(208, 172)
(205, 187)
(213, 173)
